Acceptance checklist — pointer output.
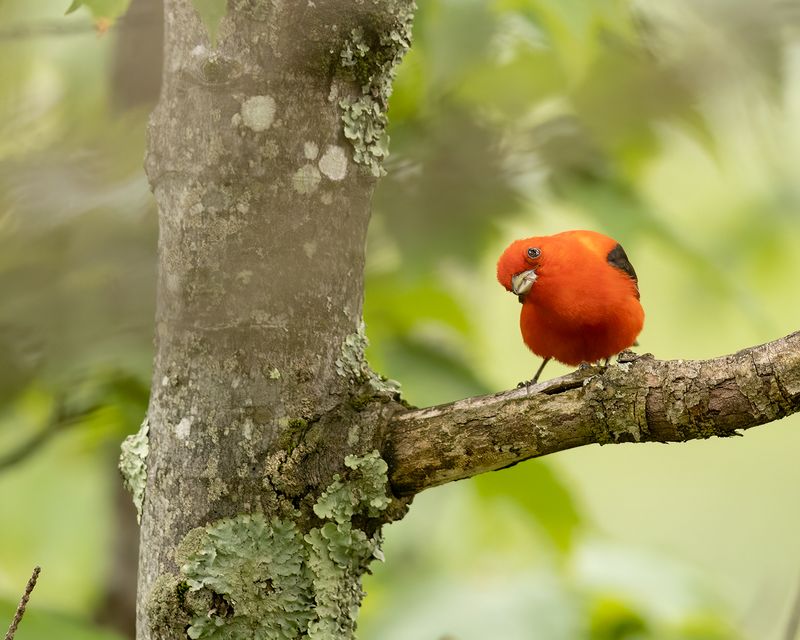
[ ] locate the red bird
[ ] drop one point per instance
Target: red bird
(579, 295)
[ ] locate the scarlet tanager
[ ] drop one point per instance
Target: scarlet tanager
(579, 295)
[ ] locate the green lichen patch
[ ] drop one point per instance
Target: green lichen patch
(256, 577)
(373, 66)
(339, 555)
(257, 566)
(364, 490)
(133, 465)
(365, 123)
(352, 364)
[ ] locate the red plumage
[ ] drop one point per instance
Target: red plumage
(579, 294)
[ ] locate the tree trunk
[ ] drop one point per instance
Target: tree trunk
(264, 495)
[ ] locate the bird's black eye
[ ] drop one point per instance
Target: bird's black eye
(533, 252)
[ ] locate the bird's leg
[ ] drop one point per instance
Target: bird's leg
(539, 370)
(605, 364)
(535, 378)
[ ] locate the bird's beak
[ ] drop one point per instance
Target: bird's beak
(521, 283)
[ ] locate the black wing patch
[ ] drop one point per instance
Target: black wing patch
(618, 258)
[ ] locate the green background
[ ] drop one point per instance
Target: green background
(672, 125)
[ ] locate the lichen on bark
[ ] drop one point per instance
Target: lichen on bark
(253, 576)
(352, 364)
(372, 63)
(133, 465)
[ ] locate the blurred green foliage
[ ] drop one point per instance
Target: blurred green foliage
(670, 125)
(40, 624)
(100, 9)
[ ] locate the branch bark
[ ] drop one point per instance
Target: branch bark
(640, 399)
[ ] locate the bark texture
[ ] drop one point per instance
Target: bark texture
(263, 417)
(639, 399)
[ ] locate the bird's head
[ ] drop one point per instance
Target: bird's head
(518, 266)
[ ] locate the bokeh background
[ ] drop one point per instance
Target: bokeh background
(672, 125)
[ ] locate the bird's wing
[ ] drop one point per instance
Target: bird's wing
(619, 259)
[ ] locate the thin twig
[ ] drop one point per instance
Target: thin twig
(23, 603)
(58, 423)
(31, 445)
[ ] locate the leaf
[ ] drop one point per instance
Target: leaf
(537, 489)
(614, 619)
(104, 12)
(211, 13)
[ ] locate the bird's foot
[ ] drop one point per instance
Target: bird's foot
(536, 375)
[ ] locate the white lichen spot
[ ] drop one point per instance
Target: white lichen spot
(165, 381)
(352, 436)
(184, 428)
(334, 162)
(333, 95)
(247, 429)
(306, 179)
(310, 150)
(258, 112)
(133, 465)
(173, 282)
(310, 248)
(199, 51)
(274, 374)
(236, 119)
(244, 276)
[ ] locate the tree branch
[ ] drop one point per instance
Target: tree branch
(640, 399)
